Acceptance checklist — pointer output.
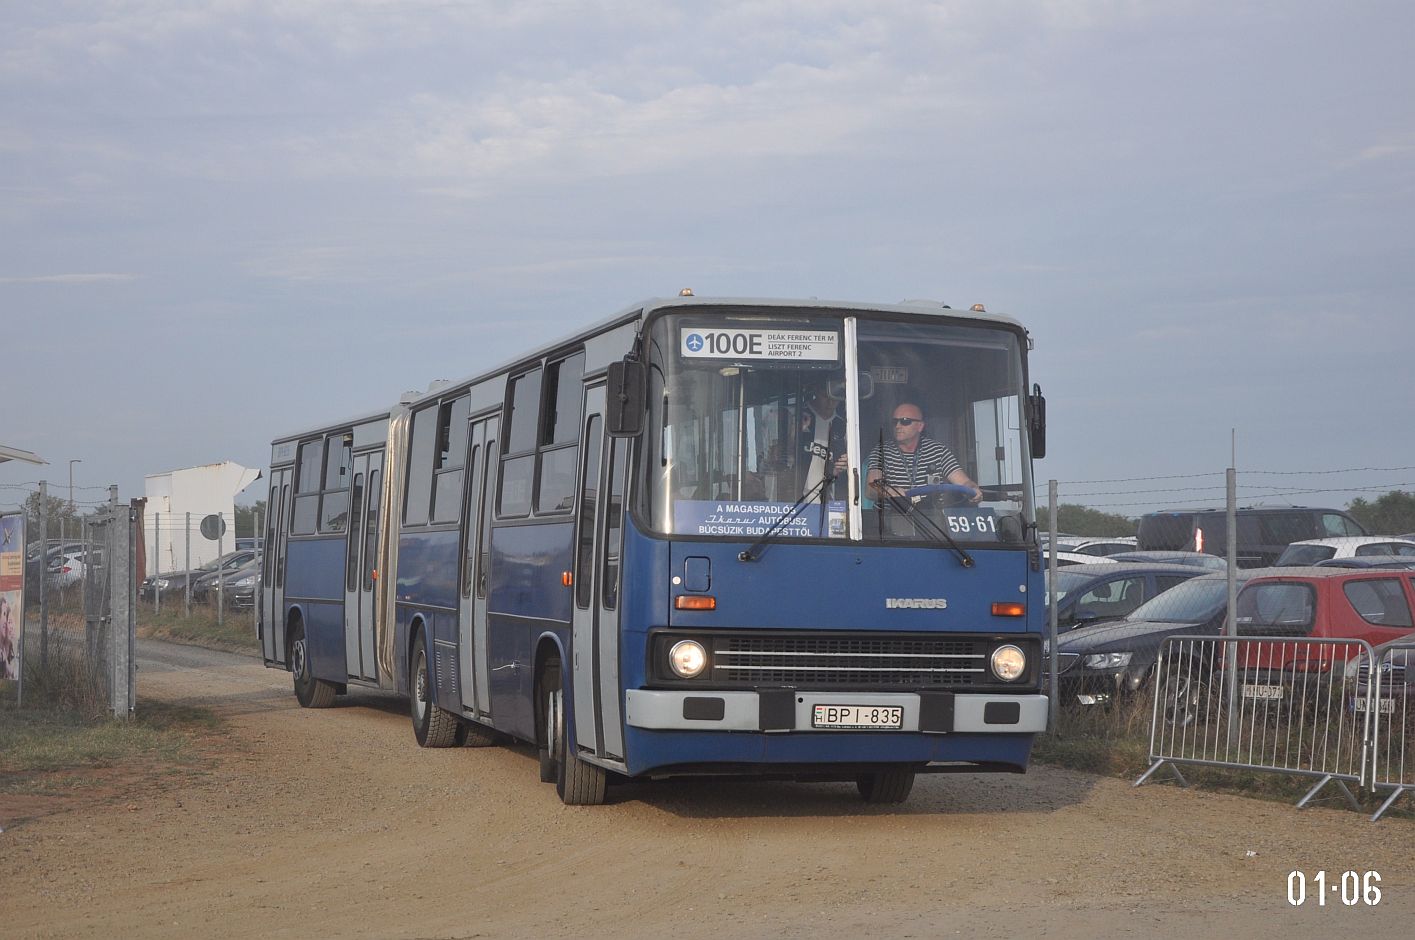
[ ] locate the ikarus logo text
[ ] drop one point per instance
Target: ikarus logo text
(915, 603)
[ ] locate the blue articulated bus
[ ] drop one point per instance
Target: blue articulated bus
(693, 539)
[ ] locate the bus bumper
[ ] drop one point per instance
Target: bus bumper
(784, 711)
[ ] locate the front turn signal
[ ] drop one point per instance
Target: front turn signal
(695, 602)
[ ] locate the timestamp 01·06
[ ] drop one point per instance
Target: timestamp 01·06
(1352, 887)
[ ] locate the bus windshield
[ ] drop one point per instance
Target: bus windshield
(756, 425)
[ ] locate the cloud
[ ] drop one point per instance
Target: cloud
(94, 278)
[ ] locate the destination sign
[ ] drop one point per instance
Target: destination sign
(737, 344)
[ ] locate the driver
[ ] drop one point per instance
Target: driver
(912, 459)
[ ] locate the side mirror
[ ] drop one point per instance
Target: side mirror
(1037, 405)
(626, 390)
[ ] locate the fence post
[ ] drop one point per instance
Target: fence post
(220, 574)
(120, 605)
(1230, 620)
(43, 576)
(255, 594)
(157, 560)
(187, 547)
(1055, 704)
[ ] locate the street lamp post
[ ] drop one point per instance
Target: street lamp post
(71, 481)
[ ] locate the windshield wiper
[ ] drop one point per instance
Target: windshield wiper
(928, 528)
(820, 489)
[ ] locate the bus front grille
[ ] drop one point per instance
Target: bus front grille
(851, 661)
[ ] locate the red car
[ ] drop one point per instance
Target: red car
(1373, 605)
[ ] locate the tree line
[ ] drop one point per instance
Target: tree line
(1391, 514)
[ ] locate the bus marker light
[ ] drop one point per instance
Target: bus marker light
(695, 602)
(566, 578)
(1008, 609)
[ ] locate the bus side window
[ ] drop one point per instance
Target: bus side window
(307, 480)
(589, 503)
(614, 522)
(419, 489)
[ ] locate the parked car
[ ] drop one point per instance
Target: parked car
(1073, 558)
(1195, 559)
(39, 559)
(242, 590)
(204, 588)
(1311, 551)
(1320, 603)
(1263, 531)
(1089, 594)
(1082, 545)
(1395, 664)
(1095, 664)
(71, 568)
(1368, 561)
(248, 542)
(174, 583)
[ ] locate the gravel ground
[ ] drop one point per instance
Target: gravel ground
(333, 823)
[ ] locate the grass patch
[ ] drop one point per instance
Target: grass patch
(237, 633)
(47, 750)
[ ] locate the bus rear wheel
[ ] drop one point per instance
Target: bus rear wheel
(577, 782)
(309, 691)
(432, 726)
(886, 786)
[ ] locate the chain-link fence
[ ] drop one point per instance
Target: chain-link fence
(79, 613)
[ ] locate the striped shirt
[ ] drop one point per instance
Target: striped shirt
(931, 462)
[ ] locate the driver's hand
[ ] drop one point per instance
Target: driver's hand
(977, 496)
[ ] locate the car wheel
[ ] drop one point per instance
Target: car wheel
(309, 691)
(1186, 698)
(577, 782)
(433, 726)
(885, 786)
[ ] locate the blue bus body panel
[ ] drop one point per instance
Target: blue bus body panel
(314, 584)
(427, 589)
(830, 587)
(819, 587)
(314, 569)
(525, 599)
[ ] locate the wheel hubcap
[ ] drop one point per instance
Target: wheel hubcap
(553, 723)
(297, 658)
(420, 687)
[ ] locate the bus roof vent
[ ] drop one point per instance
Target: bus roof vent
(915, 302)
(410, 396)
(437, 385)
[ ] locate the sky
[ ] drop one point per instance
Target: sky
(224, 221)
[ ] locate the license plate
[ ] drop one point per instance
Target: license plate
(1262, 691)
(885, 717)
(1387, 706)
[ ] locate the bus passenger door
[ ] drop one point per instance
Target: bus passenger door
(359, 579)
(587, 540)
(476, 545)
(272, 578)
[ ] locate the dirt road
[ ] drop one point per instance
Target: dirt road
(333, 823)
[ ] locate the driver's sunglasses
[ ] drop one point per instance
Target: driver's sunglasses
(908, 421)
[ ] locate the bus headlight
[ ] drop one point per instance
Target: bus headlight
(687, 659)
(1008, 662)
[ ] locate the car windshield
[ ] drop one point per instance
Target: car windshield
(1305, 554)
(752, 414)
(1066, 582)
(1191, 602)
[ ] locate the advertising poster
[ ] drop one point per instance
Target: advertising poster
(12, 593)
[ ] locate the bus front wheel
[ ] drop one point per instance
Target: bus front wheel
(886, 786)
(579, 783)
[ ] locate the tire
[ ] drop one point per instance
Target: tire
(474, 734)
(578, 783)
(885, 786)
(432, 725)
(309, 691)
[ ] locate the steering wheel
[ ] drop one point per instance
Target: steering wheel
(949, 494)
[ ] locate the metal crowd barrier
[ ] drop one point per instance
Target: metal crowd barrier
(1278, 704)
(1391, 704)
